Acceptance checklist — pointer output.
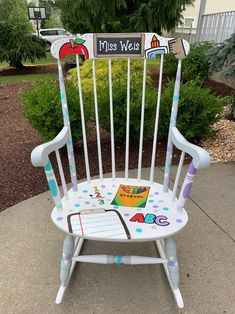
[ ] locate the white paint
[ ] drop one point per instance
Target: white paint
(106, 226)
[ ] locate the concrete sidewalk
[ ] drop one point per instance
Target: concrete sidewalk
(31, 248)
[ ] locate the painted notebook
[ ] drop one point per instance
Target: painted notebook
(131, 196)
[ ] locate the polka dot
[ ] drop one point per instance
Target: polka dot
(77, 205)
(160, 201)
(151, 201)
(87, 203)
(138, 230)
(109, 193)
(151, 195)
(114, 185)
(126, 214)
(59, 218)
(171, 263)
(165, 208)
(156, 193)
(179, 220)
(103, 186)
(168, 165)
(115, 207)
(155, 206)
(85, 191)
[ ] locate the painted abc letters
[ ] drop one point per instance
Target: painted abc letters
(159, 220)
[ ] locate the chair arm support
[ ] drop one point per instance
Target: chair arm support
(201, 158)
(39, 156)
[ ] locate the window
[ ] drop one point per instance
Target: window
(188, 22)
(51, 32)
(61, 32)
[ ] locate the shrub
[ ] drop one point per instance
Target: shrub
(222, 57)
(198, 110)
(42, 107)
(230, 114)
(119, 83)
(194, 67)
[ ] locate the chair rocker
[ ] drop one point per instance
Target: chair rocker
(120, 209)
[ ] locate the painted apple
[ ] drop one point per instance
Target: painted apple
(74, 47)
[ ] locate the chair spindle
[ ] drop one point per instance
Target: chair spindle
(52, 182)
(111, 120)
(127, 118)
(156, 121)
(142, 123)
(178, 175)
(83, 120)
(97, 121)
(61, 171)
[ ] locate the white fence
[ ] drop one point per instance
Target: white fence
(216, 27)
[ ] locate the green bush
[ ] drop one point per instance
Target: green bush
(222, 57)
(119, 82)
(194, 67)
(230, 114)
(42, 107)
(198, 110)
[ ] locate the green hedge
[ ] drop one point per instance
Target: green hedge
(194, 67)
(119, 83)
(198, 109)
(42, 107)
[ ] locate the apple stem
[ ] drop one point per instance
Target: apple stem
(71, 42)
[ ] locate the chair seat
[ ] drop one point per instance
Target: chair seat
(120, 210)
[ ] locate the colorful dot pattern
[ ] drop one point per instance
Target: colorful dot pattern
(155, 205)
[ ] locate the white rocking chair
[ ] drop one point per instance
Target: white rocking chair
(120, 209)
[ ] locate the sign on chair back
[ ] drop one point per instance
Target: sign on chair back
(120, 209)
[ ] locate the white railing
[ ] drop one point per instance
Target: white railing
(216, 27)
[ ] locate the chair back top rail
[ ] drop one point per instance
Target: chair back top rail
(123, 45)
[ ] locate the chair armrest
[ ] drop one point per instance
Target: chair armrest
(39, 156)
(201, 158)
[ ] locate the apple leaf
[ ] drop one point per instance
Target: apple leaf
(79, 41)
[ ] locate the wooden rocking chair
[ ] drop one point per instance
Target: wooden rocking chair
(120, 209)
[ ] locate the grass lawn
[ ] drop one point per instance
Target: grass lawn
(26, 77)
(49, 60)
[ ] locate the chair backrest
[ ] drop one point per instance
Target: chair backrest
(128, 46)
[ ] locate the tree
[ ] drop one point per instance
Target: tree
(222, 57)
(16, 40)
(81, 16)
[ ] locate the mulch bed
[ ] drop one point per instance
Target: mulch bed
(19, 180)
(30, 69)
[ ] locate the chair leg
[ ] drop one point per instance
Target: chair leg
(171, 268)
(70, 249)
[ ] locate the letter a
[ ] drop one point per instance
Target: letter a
(138, 217)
